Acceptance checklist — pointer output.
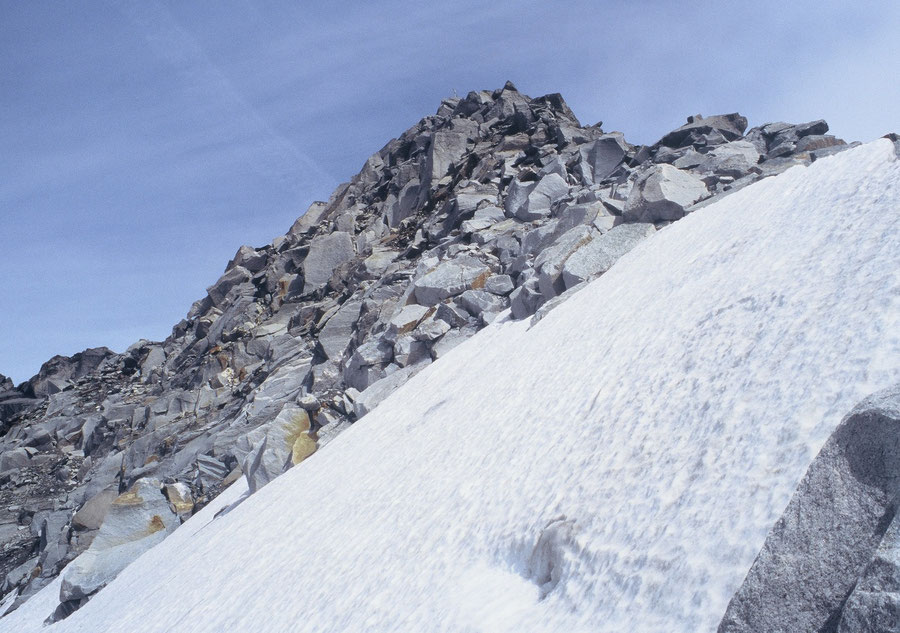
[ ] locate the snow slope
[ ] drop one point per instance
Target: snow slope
(614, 468)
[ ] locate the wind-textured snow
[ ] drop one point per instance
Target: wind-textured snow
(614, 468)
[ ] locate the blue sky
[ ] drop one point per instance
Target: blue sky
(143, 142)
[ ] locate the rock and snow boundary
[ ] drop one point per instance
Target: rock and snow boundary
(616, 467)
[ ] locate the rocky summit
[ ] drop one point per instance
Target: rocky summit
(498, 202)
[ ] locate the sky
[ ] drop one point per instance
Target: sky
(143, 142)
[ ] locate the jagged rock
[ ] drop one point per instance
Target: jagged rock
(731, 159)
(14, 459)
(180, 498)
(604, 155)
(286, 442)
(135, 522)
(249, 258)
(548, 190)
(831, 529)
(663, 193)
(451, 278)
(326, 253)
(597, 256)
(90, 516)
(405, 321)
(367, 363)
(378, 391)
(525, 299)
(445, 150)
(477, 302)
(729, 126)
(549, 264)
(59, 372)
(431, 329)
(335, 336)
(232, 278)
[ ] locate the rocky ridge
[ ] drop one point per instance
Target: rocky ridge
(496, 202)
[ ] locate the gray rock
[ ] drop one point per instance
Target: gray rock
(326, 253)
(378, 391)
(405, 321)
(476, 302)
(829, 533)
(309, 402)
(250, 258)
(449, 279)
(335, 336)
(549, 264)
(525, 299)
(731, 159)
(285, 442)
(446, 149)
(14, 459)
(597, 256)
(517, 196)
(551, 188)
(452, 314)
(137, 520)
(90, 516)
(431, 329)
(604, 155)
(405, 204)
(233, 277)
(874, 604)
(499, 284)
(663, 193)
(409, 351)
(730, 126)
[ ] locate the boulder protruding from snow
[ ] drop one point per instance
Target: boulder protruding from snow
(135, 521)
(829, 533)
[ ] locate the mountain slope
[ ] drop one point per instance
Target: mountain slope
(497, 201)
(617, 466)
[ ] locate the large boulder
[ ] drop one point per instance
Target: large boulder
(91, 515)
(827, 536)
(234, 276)
(663, 193)
(550, 262)
(604, 155)
(729, 126)
(335, 336)
(548, 190)
(276, 446)
(445, 150)
(450, 278)
(136, 521)
(326, 252)
(597, 256)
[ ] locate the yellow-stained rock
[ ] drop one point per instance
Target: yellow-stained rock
(304, 446)
(179, 495)
(295, 426)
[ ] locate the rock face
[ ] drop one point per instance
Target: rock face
(496, 202)
(831, 559)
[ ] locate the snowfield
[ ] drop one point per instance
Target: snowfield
(616, 467)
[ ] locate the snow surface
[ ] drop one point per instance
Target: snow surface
(616, 467)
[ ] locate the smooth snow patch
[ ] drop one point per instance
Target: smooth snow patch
(656, 424)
